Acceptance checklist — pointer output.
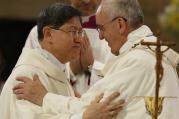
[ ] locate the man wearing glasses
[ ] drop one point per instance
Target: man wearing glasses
(59, 33)
(83, 71)
(120, 23)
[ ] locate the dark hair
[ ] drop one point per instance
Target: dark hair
(55, 16)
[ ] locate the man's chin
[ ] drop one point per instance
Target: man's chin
(116, 53)
(76, 55)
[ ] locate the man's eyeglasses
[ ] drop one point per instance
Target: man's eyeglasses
(100, 28)
(73, 33)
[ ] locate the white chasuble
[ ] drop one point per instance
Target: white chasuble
(52, 77)
(132, 74)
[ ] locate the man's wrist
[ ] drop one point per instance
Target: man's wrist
(43, 99)
(40, 98)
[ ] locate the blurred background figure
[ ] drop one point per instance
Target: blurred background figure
(18, 17)
(88, 9)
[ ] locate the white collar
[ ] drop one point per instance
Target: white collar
(144, 33)
(135, 37)
(52, 59)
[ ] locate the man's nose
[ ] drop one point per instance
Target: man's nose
(78, 39)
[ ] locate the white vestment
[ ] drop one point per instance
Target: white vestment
(32, 39)
(132, 74)
(100, 50)
(34, 61)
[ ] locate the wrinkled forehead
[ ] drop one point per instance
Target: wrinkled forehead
(106, 10)
(101, 16)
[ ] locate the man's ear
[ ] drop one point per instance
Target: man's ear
(122, 25)
(47, 34)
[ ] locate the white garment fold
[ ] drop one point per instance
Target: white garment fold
(132, 73)
(54, 79)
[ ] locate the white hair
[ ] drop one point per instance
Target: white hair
(128, 9)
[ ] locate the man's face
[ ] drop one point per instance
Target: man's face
(66, 40)
(108, 30)
(87, 7)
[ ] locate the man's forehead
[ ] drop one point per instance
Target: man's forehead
(100, 16)
(73, 25)
(105, 5)
(74, 21)
(100, 11)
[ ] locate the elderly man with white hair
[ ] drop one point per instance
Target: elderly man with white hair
(132, 73)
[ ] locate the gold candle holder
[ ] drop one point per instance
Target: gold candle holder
(150, 104)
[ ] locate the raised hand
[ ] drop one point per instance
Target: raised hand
(86, 57)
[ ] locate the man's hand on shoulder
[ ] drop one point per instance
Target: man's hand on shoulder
(31, 90)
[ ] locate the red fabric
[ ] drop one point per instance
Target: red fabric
(91, 23)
